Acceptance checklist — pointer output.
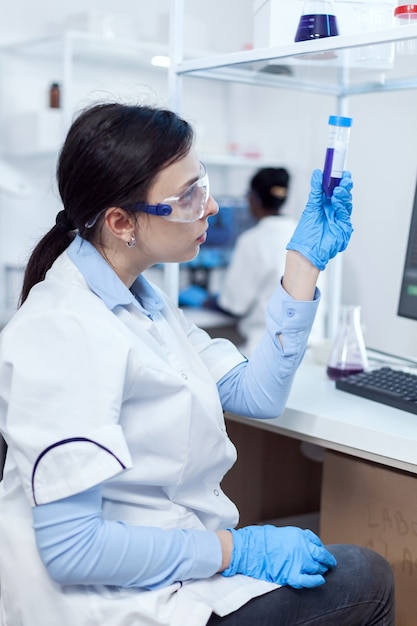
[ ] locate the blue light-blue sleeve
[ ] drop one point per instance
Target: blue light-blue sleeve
(259, 387)
(78, 546)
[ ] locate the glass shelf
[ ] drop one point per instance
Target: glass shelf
(343, 65)
(86, 47)
(89, 48)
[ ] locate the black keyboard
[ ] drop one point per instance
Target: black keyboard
(385, 385)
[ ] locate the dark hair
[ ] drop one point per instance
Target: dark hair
(263, 183)
(110, 157)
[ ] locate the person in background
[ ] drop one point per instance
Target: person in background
(111, 404)
(258, 258)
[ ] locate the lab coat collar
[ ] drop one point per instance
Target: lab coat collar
(105, 283)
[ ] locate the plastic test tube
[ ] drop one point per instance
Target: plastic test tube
(337, 144)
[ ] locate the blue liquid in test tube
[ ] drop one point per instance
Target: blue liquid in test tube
(337, 144)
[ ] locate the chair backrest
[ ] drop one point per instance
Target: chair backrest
(3, 450)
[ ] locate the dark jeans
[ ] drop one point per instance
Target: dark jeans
(359, 591)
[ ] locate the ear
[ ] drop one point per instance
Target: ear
(119, 223)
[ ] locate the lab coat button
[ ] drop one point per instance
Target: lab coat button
(216, 492)
(184, 375)
(290, 312)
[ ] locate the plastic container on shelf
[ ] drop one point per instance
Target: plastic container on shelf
(373, 16)
(406, 14)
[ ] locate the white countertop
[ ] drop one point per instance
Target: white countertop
(319, 413)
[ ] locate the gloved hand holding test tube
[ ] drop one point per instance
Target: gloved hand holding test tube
(325, 227)
(337, 145)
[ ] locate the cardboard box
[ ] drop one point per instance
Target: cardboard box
(375, 506)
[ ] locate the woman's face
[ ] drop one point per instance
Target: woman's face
(163, 241)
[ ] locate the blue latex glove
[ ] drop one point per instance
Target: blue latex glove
(324, 228)
(286, 556)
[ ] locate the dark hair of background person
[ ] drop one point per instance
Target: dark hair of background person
(270, 185)
(110, 157)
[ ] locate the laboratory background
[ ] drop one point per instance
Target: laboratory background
(56, 57)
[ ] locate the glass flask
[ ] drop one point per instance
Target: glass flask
(348, 353)
(317, 20)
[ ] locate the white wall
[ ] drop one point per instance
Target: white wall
(288, 129)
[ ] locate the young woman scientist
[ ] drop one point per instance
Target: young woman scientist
(111, 403)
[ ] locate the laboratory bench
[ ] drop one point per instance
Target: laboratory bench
(319, 413)
(363, 487)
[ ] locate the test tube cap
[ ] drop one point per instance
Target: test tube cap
(337, 120)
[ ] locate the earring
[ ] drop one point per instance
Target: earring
(132, 242)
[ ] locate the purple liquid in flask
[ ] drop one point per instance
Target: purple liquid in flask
(334, 373)
(316, 26)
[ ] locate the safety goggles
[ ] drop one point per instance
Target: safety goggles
(186, 207)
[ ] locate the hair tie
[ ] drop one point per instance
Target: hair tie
(63, 222)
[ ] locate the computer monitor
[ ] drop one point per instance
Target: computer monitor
(233, 218)
(408, 296)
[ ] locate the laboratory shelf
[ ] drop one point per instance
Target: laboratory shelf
(86, 47)
(341, 66)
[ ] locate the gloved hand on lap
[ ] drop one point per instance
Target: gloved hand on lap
(324, 228)
(286, 556)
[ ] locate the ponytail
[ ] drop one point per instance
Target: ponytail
(43, 256)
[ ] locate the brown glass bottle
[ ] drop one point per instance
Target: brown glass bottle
(54, 96)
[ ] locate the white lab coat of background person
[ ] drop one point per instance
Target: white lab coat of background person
(256, 267)
(75, 362)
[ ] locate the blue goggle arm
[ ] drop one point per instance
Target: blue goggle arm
(153, 209)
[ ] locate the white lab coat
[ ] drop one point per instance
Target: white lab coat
(128, 401)
(256, 267)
